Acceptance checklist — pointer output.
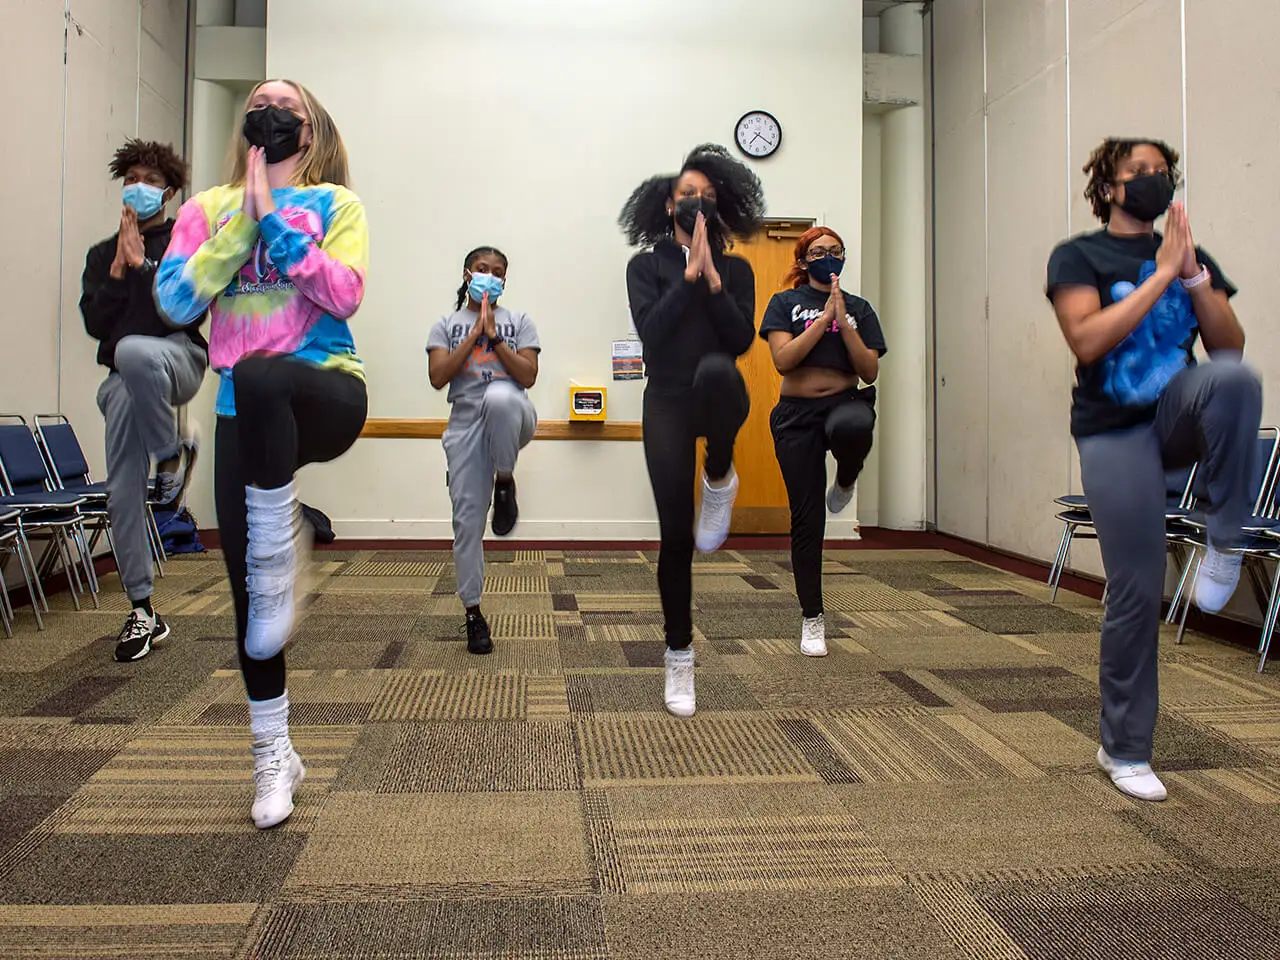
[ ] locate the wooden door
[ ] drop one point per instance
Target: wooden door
(761, 507)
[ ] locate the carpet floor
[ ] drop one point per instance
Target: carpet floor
(927, 790)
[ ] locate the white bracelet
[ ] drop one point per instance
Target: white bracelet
(1197, 280)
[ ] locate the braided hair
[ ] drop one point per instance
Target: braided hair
(471, 258)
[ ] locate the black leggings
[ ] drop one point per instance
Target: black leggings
(804, 429)
(288, 414)
(715, 407)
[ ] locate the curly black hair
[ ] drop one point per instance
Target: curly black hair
(471, 258)
(150, 153)
(739, 199)
(1101, 169)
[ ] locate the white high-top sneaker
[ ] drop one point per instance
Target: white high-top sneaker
(275, 536)
(813, 636)
(277, 771)
(679, 686)
(716, 514)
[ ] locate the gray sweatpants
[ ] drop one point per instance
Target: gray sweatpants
(153, 375)
(484, 437)
(1208, 413)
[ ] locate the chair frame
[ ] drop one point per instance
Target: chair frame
(63, 530)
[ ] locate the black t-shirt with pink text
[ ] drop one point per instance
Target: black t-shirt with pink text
(794, 311)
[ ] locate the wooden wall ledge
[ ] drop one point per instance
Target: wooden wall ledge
(392, 428)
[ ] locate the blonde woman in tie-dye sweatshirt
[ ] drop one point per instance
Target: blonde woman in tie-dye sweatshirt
(277, 257)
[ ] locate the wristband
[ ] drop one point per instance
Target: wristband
(1192, 282)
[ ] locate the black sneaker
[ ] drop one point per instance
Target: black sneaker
(138, 635)
(505, 509)
(479, 640)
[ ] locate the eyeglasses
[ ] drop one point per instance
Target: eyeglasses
(819, 253)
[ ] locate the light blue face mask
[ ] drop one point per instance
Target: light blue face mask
(145, 199)
(482, 283)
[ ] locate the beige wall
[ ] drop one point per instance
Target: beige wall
(1011, 136)
(532, 141)
(124, 76)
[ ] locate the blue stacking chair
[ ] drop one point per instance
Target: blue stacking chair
(25, 486)
(1077, 522)
(69, 470)
(11, 545)
(1259, 545)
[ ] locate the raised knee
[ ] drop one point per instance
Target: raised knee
(1235, 376)
(716, 368)
(502, 395)
(134, 355)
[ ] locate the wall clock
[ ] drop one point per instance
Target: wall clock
(758, 134)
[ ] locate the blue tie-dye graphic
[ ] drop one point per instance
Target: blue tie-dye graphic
(1136, 372)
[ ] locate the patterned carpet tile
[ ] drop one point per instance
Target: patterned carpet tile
(927, 789)
(151, 931)
(393, 840)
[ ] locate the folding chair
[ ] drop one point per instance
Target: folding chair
(11, 543)
(1257, 546)
(69, 470)
(1078, 522)
(25, 486)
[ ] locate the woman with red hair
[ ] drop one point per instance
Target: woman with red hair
(826, 344)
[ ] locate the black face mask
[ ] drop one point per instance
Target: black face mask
(275, 130)
(687, 213)
(1148, 196)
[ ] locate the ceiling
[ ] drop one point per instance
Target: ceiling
(873, 8)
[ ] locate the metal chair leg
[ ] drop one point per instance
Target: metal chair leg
(1060, 561)
(1186, 607)
(157, 542)
(1269, 619)
(1177, 594)
(81, 540)
(73, 574)
(38, 599)
(34, 591)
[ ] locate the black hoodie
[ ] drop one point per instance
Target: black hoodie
(114, 309)
(681, 322)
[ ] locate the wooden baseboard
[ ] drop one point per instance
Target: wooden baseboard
(399, 428)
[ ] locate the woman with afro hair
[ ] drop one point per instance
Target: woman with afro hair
(693, 305)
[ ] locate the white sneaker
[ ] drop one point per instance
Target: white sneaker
(1135, 779)
(679, 695)
(1217, 579)
(813, 636)
(716, 513)
(277, 771)
(838, 497)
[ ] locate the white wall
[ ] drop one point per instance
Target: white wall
(532, 142)
(124, 75)
(1057, 78)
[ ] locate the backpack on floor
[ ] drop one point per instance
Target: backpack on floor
(320, 523)
(178, 531)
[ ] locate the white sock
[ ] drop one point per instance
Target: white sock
(276, 497)
(269, 719)
(680, 656)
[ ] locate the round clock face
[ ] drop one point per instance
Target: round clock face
(758, 134)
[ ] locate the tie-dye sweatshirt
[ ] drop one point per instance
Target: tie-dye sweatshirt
(285, 285)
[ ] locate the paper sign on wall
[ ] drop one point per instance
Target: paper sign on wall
(628, 360)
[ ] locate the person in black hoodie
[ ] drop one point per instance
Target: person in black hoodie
(153, 370)
(693, 305)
